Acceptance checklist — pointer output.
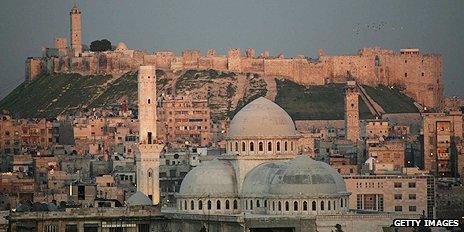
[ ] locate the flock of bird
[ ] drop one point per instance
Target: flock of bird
(374, 27)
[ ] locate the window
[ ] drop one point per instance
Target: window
(412, 208)
(252, 148)
(258, 204)
(218, 204)
(397, 185)
(291, 146)
(398, 197)
(322, 205)
(295, 206)
(236, 146)
(334, 205)
(192, 205)
(200, 205)
(278, 146)
(422, 74)
(243, 146)
(341, 203)
(280, 206)
(314, 206)
(285, 146)
(227, 204)
(305, 206)
(273, 206)
(265, 203)
(287, 206)
(185, 205)
(412, 184)
(209, 204)
(412, 196)
(260, 146)
(149, 101)
(405, 74)
(328, 205)
(269, 146)
(235, 204)
(398, 208)
(251, 204)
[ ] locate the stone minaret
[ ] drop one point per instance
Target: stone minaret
(76, 30)
(352, 112)
(148, 158)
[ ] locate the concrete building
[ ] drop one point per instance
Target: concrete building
(441, 132)
(388, 156)
(184, 120)
(403, 193)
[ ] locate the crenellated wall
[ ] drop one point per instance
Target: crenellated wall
(418, 75)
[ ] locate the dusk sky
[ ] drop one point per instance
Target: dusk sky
(291, 27)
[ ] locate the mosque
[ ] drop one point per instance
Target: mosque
(261, 183)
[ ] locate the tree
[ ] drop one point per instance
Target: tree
(100, 45)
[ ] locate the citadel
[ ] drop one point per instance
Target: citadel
(418, 75)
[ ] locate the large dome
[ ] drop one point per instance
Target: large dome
(213, 178)
(262, 118)
(299, 177)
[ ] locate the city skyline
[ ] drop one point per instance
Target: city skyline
(272, 26)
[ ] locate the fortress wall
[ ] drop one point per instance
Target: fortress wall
(234, 63)
(362, 68)
(205, 63)
(252, 65)
(279, 67)
(308, 73)
(149, 59)
(190, 59)
(220, 63)
(163, 59)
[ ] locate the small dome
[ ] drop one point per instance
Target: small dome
(213, 178)
(301, 176)
(257, 181)
(121, 46)
(138, 199)
(264, 119)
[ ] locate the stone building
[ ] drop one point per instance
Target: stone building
(184, 120)
(388, 156)
(441, 132)
(76, 31)
(352, 112)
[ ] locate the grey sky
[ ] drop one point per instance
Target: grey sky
(292, 27)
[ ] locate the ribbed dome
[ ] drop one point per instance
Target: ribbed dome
(138, 199)
(213, 178)
(299, 177)
(262, 118)
(121, 46)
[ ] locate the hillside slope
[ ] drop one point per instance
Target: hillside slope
(227, 92)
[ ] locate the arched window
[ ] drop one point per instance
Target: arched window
(269, 146)
(265, 203)
(236, 146)
(280, 206)
(328, 205)
(260, 146)
(322, 205)
(285, 146)
(218, 204)
(341, 202)
(200, 205)
(258, 204)
(235, 204)
(345, 203)
(287, 206)
(185, 205)
(192, 205)
(227, 204)
(335, 205)
(314, 206)
(295, 206)
(252, 147)
(291, 145)
(209, 204)
(278, 146)
(251, 204)
(243, 146)
(305, 206)
(273, 206)
(246, 204)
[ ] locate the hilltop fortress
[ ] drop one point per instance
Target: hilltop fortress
(417, 75)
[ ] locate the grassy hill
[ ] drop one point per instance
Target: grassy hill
(52, 95)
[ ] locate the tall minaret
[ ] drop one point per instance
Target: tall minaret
(76, 30)
(352, 112)
(147, 160)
